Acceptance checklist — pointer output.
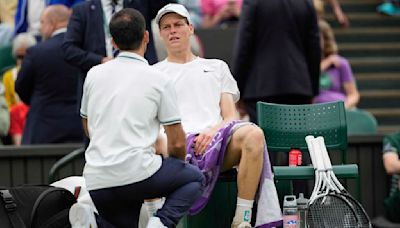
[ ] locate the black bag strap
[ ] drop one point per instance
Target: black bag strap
(40, 199)
(11, 209)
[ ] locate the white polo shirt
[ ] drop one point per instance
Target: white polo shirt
(125, 101)
(199, 85)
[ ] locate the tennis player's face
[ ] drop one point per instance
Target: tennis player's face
(175, 32)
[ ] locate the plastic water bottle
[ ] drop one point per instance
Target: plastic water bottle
(302, 209)
(290, 212)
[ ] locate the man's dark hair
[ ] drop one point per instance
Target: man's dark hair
(127, 28)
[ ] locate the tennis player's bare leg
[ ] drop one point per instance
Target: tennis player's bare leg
(246, 150)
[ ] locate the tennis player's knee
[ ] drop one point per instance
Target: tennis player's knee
(254, 137)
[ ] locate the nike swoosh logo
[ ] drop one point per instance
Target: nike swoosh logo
(206, 71)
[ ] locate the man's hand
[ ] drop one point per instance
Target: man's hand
(234, 10)
(223, 13)
(341, 17)
(202, 141)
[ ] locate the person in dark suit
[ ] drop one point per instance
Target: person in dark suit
(88, 42)
(277, 53)
(47, 83)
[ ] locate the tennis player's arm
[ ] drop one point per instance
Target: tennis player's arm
(228, 113)
(391, 162)
(85, 127)
(228, 110)
(176, 141)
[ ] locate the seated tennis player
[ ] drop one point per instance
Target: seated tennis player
(216, 141)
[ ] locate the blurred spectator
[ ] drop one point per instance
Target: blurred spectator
(28, 13)
(6, 34)
(18, 114)
(7, 11)
(48, 84)
(194, 8)
(7, 14)
(389, 7)
(21, 43)
(277, 53)
(17, 108)
(336, 8)
(391, 162)
(4, 114)
(220, 12)
(336, 80)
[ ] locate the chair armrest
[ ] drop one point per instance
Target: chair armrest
(307, 172)
(80, 152)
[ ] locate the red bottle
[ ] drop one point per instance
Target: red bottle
(295, 157)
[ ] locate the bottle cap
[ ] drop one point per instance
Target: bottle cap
(289, 201)
(301, 201)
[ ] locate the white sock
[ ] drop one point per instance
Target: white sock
(153, 206)
(243, 211)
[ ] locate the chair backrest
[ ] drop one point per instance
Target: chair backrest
(360, 122)
(286, 126)
(6, 58)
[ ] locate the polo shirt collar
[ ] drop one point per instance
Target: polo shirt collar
(131, 55)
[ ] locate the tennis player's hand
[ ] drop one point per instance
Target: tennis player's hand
(202, 141)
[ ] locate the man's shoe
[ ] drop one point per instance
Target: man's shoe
(155, 222)
(82, 216)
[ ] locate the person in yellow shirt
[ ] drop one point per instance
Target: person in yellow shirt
(21, 43)
(17, 108)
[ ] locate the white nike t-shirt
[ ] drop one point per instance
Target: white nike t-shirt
(199, 85)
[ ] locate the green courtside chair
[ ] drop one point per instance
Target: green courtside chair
(360, 122)
(286, 126)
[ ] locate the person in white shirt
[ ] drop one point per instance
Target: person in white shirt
(207, 93)
(122, 118)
